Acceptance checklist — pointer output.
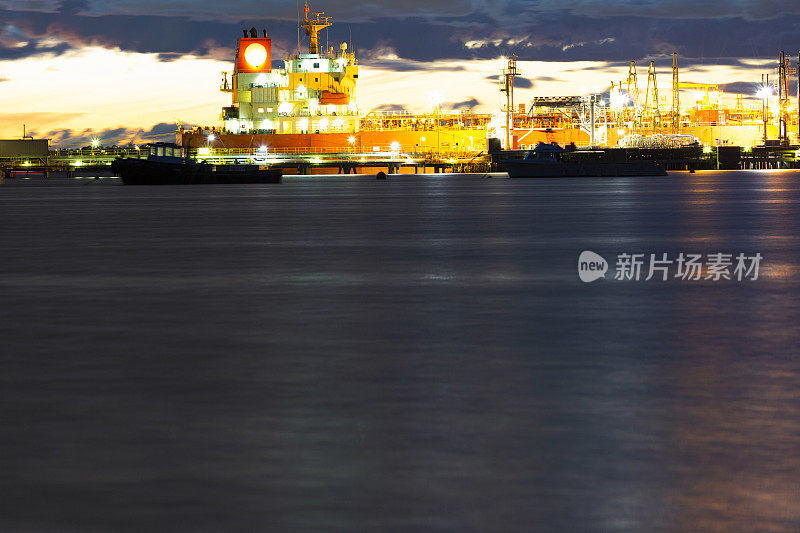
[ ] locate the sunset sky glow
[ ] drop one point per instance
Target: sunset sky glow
(126, 71)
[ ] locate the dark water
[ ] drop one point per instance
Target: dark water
(345, 354)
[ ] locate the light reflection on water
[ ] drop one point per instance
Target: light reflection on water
(416, 354)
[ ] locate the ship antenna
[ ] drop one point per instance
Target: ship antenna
(298, 26)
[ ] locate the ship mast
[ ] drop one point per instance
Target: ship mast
(313, 27)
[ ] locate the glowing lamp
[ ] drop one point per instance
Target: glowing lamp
(255, 54)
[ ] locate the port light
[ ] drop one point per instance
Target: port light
(204, 151)
(618, 99)
(255, 54)
(764, 92)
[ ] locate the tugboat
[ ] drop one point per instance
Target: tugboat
(166, 165)
(549, 160)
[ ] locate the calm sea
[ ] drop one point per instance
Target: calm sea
(417, 354)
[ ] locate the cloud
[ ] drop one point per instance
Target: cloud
(119, 136)
(386, 58)
(390, 108)
(520, 82)
(749, 88)
(465, 105)
(581, 30)
(480, 10)
(247, 9)
(585, 43)
(739, 87)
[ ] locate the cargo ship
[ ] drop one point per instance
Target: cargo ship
(309, 106)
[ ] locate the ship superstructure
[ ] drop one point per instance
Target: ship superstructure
(312, 93)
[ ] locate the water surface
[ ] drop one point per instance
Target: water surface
(345, 354)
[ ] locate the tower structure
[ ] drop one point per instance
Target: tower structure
(507, 87)
(633, 94)
(651, 107)
(783, 99)
(676, 103)
(313, 27)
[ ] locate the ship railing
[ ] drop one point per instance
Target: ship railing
(376, 150)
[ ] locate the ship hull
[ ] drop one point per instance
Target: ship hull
(148, 172)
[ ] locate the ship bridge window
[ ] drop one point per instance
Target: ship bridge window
(316, 79)
(316, 65)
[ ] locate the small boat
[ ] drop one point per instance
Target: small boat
(549, 160)
(165, 165)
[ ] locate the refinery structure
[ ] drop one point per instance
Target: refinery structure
(633, 113)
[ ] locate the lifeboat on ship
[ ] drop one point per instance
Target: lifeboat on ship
(331, 98)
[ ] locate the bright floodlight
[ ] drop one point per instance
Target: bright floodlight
(211, 137)
(436, 98)
(618, 99)
(262, 148)
(95, 143)
(395, 146)
(764, 92)
(255, 54)
(351, 139)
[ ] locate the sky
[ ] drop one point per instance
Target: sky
(129, 70)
